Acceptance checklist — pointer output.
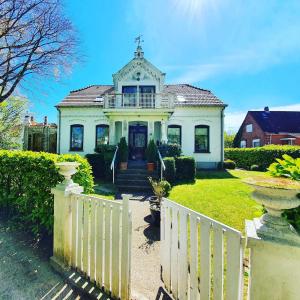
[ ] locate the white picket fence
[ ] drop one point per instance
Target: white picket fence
(101, 242)
(200, 256)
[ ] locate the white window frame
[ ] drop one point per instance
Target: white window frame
(249, 128)
(243, 144)
(256, 141)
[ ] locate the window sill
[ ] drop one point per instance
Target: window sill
(75, 150)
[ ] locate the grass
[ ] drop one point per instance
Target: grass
(220, 195)
(104, 190)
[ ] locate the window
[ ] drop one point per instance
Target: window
(102, 135)
(256, 143)
(76, 140)
(249, 128)
(243, 144)
(174, 134)
(201, 138)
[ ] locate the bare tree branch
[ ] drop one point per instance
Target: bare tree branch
(35, 39)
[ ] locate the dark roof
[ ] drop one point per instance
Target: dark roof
(277, 121)
(187, 95)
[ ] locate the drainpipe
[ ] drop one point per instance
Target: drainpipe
(58, 129)
(222, 136)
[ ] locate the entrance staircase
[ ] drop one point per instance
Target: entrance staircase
(135, 178)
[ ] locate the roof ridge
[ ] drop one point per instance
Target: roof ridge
(91, 85)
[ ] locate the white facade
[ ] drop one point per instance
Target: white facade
(154, 111)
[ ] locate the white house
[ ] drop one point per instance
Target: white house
(140, 106)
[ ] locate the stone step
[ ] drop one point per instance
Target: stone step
(134, 181)
(135, 176)
(136, 171)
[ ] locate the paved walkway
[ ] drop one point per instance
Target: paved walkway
(145, 271)
(25, 272)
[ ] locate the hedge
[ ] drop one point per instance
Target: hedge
(100, 164)
(26, 179)
(169, 150)
(185, 168)
(260, 156)
(170, 171)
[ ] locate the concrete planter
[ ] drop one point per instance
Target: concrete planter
(67, 169)
(276, 195)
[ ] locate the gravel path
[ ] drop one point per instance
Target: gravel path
(145, 272)
(25, 272)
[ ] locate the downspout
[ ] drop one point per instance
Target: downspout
(222, 136)
(58, 136)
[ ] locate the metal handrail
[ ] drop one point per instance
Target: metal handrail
(162, 165)
(112, 165)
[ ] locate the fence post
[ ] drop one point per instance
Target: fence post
(274, 264)
(62, 233)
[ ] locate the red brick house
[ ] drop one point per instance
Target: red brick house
(266, 127)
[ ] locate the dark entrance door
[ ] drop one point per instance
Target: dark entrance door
(137, 141)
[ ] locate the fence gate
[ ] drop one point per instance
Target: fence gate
(99, 232)
(200, 256)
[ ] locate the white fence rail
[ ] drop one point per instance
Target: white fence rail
(101, 242)
(200, 256)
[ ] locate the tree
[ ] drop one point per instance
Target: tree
(12, 113)
(228, 140)
(35, 39)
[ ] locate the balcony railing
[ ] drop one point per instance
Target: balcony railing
(139, 100)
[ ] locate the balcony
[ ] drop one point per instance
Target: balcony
(139, 101)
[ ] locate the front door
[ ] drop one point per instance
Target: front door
(137, 141)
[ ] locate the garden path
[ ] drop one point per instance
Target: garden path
(145, 259)
(25, 272)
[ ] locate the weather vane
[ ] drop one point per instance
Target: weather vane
(139, 40)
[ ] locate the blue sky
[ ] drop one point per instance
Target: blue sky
(246, 52)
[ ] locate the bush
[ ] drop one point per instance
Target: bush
(123, 150)
(185, 168)
(290, 168)
(151, 152)
(229, 164)
(170, 150)
(26, 179)
(161, 188)
(262, 156)
(286, 167)
(255, 168)
(170, 171)
(100, 163)
(105, 148)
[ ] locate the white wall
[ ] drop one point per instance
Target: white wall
(187, 117)
(89, 117)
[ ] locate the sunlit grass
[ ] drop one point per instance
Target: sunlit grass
(220, 195)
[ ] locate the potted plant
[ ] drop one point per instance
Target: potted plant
(151, 153)
(123, 154)
(160, 188)
(276, 195)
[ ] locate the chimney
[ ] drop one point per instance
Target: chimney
(266, 108)
(45, 121)
(31, 119)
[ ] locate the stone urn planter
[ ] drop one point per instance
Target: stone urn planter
(276, 195)
(67, 169)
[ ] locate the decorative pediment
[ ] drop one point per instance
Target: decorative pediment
(139, 69)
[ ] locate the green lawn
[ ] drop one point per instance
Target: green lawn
(104, 190)
(220, 195)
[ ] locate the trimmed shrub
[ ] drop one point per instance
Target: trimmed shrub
(169, 150)
(26, 179)
(101, 161)
(151, 152)
(170, 171)
(123, 150)
(185, 168)
(262, 156)
(229, 164)
(255, 168)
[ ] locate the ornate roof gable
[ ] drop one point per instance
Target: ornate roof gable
(139, 69)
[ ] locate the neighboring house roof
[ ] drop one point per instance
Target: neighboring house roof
(187, 95)
(277, 121)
